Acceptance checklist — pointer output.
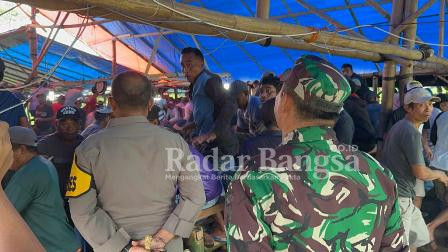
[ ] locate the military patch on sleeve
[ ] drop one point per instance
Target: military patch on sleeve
(79, 181)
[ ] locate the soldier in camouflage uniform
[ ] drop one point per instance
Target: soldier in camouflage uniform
(314, 194)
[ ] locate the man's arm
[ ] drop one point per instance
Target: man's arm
(393, 239)
(18, 196)
(215, 90)
(243, 220)
(192, 198)
(425, 142)
(95, 225)
(424, 173)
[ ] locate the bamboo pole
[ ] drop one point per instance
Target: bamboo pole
(441, 27)
(378, 8)
(236, 27)
(329, 9)
(32, 37)
(406, 71)
(326, 17)
(355, 19)
(375, 84)
(155, 48)
(388, 85)
(114, 58)
(410, 19)
(388, 82)
(263, 8)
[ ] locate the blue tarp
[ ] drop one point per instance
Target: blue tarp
(232, 57)
(76, 65)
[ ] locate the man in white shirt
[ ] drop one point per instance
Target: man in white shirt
(440, 162)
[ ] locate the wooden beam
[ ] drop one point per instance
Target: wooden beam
(236, 27)
(406, 71)
(114, 58)
(337, 8)
(263, 8)
(352, 13)
(290, 13)
(325, 17)
(378, 8)
(410, 19)
(441, 28)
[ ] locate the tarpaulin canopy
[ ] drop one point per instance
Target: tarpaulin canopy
(76, 65)
(248, 60)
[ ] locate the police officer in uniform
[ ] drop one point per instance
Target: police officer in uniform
(123, 182)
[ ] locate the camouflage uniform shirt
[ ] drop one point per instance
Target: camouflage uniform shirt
(315, 205)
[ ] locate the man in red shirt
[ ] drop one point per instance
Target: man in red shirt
(58, 104)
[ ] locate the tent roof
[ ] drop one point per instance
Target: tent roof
(248, 61)
(76, 65)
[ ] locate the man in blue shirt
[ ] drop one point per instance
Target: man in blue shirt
(269, 138)
(11, 109)
(212, 107)
(248, 115)
(34, 192)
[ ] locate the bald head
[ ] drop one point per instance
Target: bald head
(132, 90)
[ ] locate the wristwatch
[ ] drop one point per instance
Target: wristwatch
(128, 247)
(148, 242)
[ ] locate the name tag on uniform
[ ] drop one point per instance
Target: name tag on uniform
(79, 181)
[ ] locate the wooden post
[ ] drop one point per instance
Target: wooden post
(407, 70)
(441, 27)
(263, 8)
(32, 37)
(375, 84)
(388, 82)
(114, 58)
(410, 18)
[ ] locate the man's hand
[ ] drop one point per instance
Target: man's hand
(156, 245)
(204, 138)
(6, 155)
(429, 153)
(442, 177)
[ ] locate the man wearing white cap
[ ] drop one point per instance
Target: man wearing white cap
(403, 155)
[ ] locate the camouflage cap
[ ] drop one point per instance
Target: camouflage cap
(319, 84)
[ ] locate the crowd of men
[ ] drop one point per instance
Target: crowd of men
(121, 177)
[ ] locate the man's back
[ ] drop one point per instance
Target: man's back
(34, 192)
(365, 134)
(135, 179)
(347, 203)
(267, 139)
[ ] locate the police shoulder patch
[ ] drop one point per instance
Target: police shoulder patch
(79, 181)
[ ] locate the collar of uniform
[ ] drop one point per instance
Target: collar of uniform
(127, 120)
(309, 134)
